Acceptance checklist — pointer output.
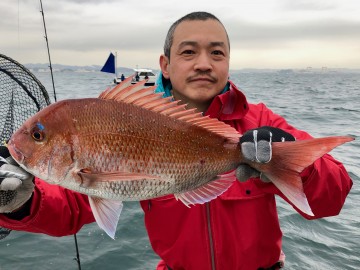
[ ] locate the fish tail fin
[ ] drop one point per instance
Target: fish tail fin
(289, 159)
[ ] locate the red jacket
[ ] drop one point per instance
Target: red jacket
(238, 230)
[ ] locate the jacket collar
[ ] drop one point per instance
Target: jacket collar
(230, 104)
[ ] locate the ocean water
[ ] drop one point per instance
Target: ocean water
(322, 103)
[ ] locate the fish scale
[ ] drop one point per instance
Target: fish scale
(176, 155)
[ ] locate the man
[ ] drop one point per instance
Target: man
(237, 230)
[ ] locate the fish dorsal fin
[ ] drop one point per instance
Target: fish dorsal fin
(208, 191)
(144, 97)
(107, 93)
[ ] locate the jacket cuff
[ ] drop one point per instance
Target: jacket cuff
(20, 221)
(23, 212)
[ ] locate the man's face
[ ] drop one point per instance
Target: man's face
(199, 62)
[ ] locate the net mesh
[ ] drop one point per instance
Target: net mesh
(21, 96)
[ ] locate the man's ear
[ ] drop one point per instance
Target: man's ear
(164, 64)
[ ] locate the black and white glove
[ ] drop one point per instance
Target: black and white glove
(256, 147)
(16, 184)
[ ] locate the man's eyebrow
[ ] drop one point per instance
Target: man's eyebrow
(186, 42)
(194, 43)
(217, 43)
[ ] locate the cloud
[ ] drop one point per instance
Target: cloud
(308, 5)
(260, 35)
(82, 31)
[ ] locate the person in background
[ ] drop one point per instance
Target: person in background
(122, 77)
(237, 230)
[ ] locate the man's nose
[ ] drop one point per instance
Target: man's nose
(203, 62)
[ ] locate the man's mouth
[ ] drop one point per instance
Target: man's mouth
(202, 79)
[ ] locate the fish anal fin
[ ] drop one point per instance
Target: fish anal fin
(208, 191)
(290, 184)
(106, 213)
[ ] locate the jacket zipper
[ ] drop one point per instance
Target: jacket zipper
(212, 252)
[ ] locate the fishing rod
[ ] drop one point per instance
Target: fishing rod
(48, 50)
(77, 259)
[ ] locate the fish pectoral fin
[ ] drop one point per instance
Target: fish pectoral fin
(91, 179)
(106, 213)
(208, 191)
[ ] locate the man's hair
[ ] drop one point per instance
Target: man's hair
(194, 16)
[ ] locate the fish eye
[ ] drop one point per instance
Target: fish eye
(37, 134)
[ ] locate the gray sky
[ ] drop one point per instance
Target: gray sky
(263, 34)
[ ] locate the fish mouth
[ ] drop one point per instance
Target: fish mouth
(16, 153)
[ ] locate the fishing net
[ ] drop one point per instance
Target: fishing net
(21, 96)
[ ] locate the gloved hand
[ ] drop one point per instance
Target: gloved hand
(16, 185)
(256, 146)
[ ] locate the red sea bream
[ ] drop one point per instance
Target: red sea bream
(132, 144)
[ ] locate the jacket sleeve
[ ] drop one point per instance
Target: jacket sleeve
(326, 181)
(55, 211)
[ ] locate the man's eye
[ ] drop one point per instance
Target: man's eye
(188, 52)
(218, 53)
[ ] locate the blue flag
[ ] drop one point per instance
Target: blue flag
(109, 64)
